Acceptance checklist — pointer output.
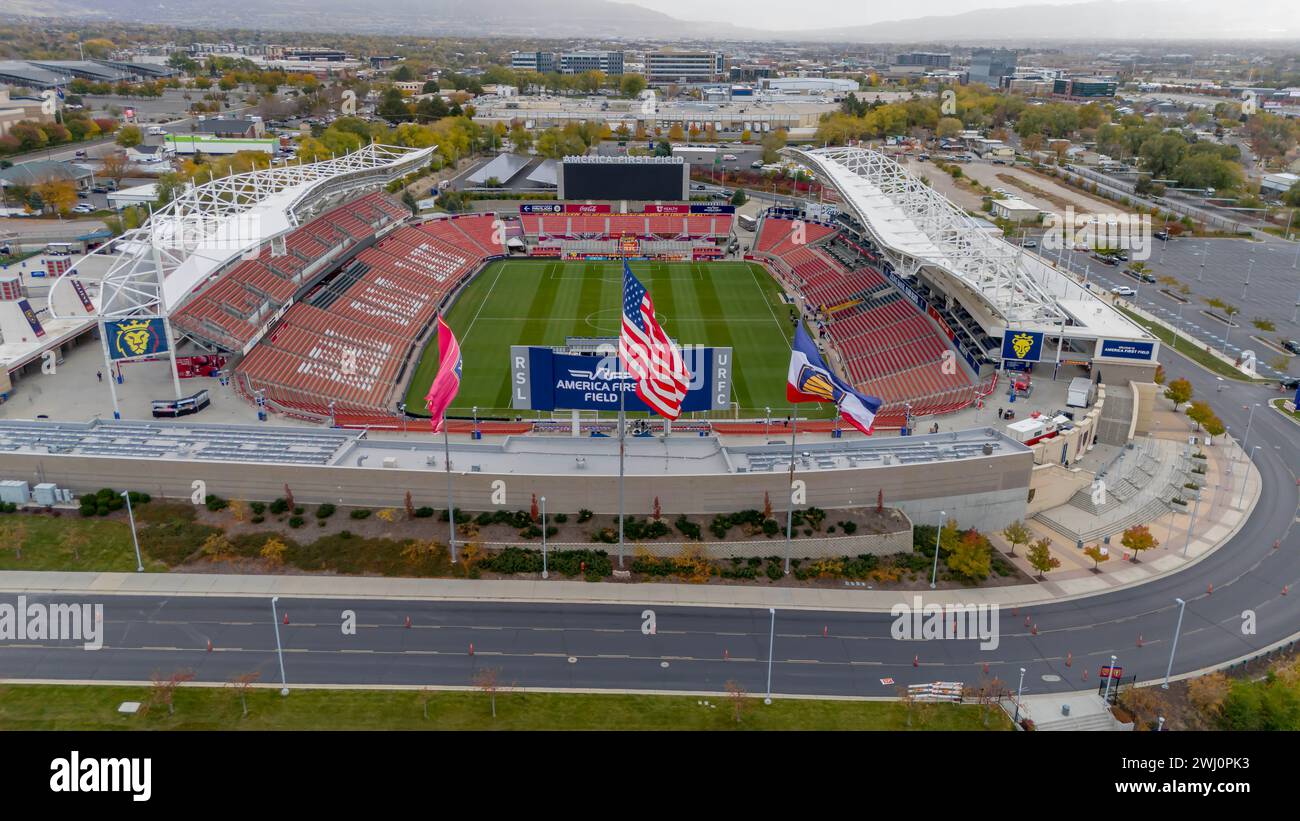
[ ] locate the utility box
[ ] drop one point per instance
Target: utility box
(13, 490)
(46, 493)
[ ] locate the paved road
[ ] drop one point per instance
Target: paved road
(702, 648)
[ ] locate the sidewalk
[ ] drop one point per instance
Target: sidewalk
(1182, 543)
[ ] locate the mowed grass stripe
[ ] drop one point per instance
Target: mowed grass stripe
(541, 303)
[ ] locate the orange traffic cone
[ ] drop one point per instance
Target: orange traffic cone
(286, 618)
(1034, 631)
(916, 661)
(825, 628)
(471, 648)
(209, 645)
(1085, 674)
(1209, 590)
(1026, 621)
(986, 668)
(1285, 588)
(1139, 639)
(1069, 659)
(725, 655)
(408, 621)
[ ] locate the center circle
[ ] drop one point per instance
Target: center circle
(614, 317)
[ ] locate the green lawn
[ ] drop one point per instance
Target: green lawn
(68, 542)
(68, 707)
(1192, 351)
(517, 302)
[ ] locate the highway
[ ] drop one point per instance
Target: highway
(587, 646)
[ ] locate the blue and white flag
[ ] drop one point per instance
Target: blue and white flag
(809, 380)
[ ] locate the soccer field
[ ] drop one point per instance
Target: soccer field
(518, 302)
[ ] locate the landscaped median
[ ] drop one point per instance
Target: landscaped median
(872, 546)
(1187, 346)
(1280, 405)
(77, 707)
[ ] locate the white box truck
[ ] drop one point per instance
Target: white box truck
(1080, 393)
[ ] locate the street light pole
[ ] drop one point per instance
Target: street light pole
(279, 651)
(1249, 421)
(1195, 508)
(934, 574)
(130, 514)
(1019, 689)
(1182, 605)
(771, 642)
(544, 572)
(1109, 677)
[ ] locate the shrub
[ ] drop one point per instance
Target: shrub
(257, 520)
(720, 525)
(584, 515)
(360, 513)
(561, 517)
(258, 508)
(138, 498)
(773, 570)
(214, 502)
(87, 510)
(423, 512)
(687, 528)
(279, 506)
(298, 510)
(771, 527)
(325, 511)
(530, 532)
(849, 528)
(295, 521)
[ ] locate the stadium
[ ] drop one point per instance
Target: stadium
(314, 294)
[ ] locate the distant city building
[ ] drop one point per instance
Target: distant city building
(577, 62)
(930, 59)
(989, 66)
(543, 62)
(1085, 88)
(750, 73)
(810, 85)
(685, 66)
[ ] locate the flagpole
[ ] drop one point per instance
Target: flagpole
(621, 427)
(789, 518)
(451, 507)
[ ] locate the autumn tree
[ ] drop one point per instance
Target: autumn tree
(487, 680)
(129, 136)
(59, 195)
(410, 506)
(1016, 533)
(1041, 558)
(739, 697)
(971, 558)
(1137, 539)
(1098, 554)
(115, 167)
(75, 539)
(241, 684)
(163, 690)
(1179, 391)
(1145, 704)
(1207, 694)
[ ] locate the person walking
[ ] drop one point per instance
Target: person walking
(99, 375)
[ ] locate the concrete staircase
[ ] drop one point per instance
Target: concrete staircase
(1103, 722)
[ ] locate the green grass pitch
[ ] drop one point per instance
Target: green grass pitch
(533, 302)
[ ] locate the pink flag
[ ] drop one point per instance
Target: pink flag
(447, 382)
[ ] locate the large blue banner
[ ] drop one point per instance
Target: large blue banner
(1024, 346)
(131, 338)
(545, 380)
(1125, 349)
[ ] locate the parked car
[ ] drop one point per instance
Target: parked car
(1122, 290)
(81, 154)
(1029, 243)
(1291, 345)
(729, 158)
(756, 164)
(1288, 383)
(1161, 235)
(84, 208)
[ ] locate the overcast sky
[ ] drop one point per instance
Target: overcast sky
(816, 14)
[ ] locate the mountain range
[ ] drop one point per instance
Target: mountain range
(1136, 20)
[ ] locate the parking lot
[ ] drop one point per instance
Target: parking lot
(1214, 268)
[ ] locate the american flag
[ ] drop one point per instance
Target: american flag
(648, 354)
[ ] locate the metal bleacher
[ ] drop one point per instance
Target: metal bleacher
(161, 440)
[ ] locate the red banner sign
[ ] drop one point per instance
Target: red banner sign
(706, 253)
(83, 296)
(543, 252)
(667, 209)
(582, 208)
